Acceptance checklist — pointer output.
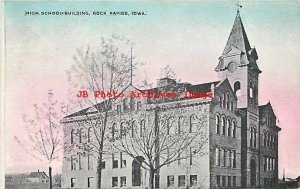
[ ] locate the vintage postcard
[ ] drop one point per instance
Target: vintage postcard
(150, 94)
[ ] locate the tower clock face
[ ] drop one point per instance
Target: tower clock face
(232, 67)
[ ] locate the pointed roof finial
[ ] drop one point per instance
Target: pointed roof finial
(238, 6)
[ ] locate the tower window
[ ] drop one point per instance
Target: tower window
(237, 88)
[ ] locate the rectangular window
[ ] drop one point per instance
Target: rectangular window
(115, 182)
(229, 181)
(139, 106)
(73, 163)
(103, 165)
(132, 104)
(123, 182)
(234, 181)
(73, 182)
(170, 180)
(234, 159)
(125, 104)
(224, 158)
(90, 162)
(191, 156)
(218, 180)
(90, 182)
(217, 157)
(181, 180)
(221, 157)
(193, 180)
(114, 162)
(122, 161)
(223, 181)
(79, 162)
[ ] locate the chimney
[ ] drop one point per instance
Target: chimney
(38, 170)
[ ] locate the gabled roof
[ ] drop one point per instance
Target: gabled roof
(264, 107)
(37, 175)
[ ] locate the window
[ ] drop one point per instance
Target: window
(223, 181)
(181, 125)
(90, 162)
(228, 127)
(224, 158)
(234, 159)
(228, 160)
(265, 163)
(233, 129)
(73, 182)
(132, 104)
(80, 135)
(254, 137)
(125, 104)
(79, 162)
(221, 157)
(89, 134)
(115, 182)
(224, 101)
(123, 182)
(229, 181)
(231, 106)
(102, 165)
(265, 138)
(220, 101)
(227, 102)
(72, 136)
(73, 163)
(122, 161)
(223, 125)
(123, 129)
(234, 181)
(217, 124)
(193, 123)
(237, 88)
(191, 156)
(90, 182)
(231, 158)
(251, 136)
(217, 157)
(170, 180)
(114, 161)
(143, 128)
(218, 181)
(171, 127)
(193, 180)
(134, 129)
(181, 180)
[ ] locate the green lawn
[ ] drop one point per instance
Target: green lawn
(27, 186)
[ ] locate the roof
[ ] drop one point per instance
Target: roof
(204, 87)
(37, 175)
(237, 37)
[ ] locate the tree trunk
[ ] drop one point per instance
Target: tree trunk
(151, 179)
(99, 171)
(50, 177)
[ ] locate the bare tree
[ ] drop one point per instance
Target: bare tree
(101, 73)
(161, 134)
(44, 134)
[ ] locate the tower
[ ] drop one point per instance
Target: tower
(238, 64)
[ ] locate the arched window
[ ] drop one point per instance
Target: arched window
(268, 140)
(227, 101)
(134, 132)
(250, 90)
(265, 138)
(72, 136)
(181, 125)
(123, 129)
(143, 128)
(228, 125)
(254, 136)
(223, 127)
(217, 124)
(171, 127)
(224, 101)
(89, 134)
(237, 88)
(233, 129)
(80, 135)
(193, 123)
